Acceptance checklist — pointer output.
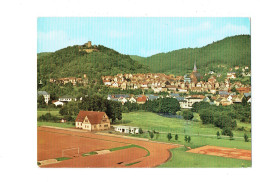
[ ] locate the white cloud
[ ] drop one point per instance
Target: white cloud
(191, 29)
(231, 29)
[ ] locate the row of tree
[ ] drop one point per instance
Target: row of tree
(162, 105)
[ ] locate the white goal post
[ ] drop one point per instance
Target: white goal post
(70, 149)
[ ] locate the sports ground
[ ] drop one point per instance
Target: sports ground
(97, 150)
(223, 152)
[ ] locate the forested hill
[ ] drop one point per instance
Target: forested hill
(71, 62)
(226, 53)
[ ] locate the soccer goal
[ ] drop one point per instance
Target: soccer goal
(71, 152)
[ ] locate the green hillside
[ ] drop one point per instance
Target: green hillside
(228, 52)
(70, 62)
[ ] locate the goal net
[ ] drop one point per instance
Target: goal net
(71, 152)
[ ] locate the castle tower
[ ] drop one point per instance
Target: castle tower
(89, 44)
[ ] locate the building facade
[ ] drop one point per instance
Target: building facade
(92, 121)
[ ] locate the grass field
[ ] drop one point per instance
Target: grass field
(62, 125)
(182, 159)
(52, 112)
(51, 123)
(200, 134)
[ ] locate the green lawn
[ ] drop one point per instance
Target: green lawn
(182, 159)
(62, 125)
(52, 112)
(200, 134)
(52, 123)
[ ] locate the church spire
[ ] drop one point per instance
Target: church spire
(195, 68)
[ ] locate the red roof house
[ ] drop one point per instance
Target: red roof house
(92, 120)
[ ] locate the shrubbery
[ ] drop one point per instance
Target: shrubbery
(48, 117)
(187, 115)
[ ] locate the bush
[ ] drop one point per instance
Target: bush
(151, 134)
(169, 136)
(241, 129)
(188, 139)
(218, 134)
(141, 131)
(206, 116)
(69, 118)
(176, 137)
(227, 132)
(187, 115)
(48, 117)
(246, 138)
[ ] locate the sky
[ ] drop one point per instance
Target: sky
(144, 36)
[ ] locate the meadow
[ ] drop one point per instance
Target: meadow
(182, 159)
(200, 134)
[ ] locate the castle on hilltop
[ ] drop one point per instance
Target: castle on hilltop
(87, 47)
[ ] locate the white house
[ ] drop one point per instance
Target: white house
(192, 100)
(249, 100)
(45, 95)
(107, 83)
(132, 100)
(184, 104)
(122, 100)
(127, 129)
(67, 98)
(115, 84)
(58, 103)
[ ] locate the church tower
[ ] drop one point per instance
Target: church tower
(195, 67)
(195, 76)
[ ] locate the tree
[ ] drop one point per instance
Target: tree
(187, 115)
(227, 131)
(188, 139)
(231, 135)
(163, 105)
(141, 131)
(41, 101)
(151, 135)
(206, 116)
(169, 136)
(197, 106)
(176, 137)
(218, 134)
(244, 101)
(222, 119)
(246, 137)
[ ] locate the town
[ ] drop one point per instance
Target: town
(187, 89)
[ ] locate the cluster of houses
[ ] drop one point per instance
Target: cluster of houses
(61, 100)
(73, 80)
(160, 82)
(224, 98)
